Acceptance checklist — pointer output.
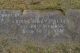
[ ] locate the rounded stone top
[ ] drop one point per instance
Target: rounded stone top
(56, 12)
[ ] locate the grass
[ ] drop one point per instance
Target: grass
(39, 4)
(26, 47)
(61, 5)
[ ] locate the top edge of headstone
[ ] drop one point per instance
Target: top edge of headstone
(42, 12)
(10, 11)
(70, 11)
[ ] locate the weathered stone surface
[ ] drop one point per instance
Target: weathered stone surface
(73, 23)
(40, 26)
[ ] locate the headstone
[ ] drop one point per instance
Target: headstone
(46, 26)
